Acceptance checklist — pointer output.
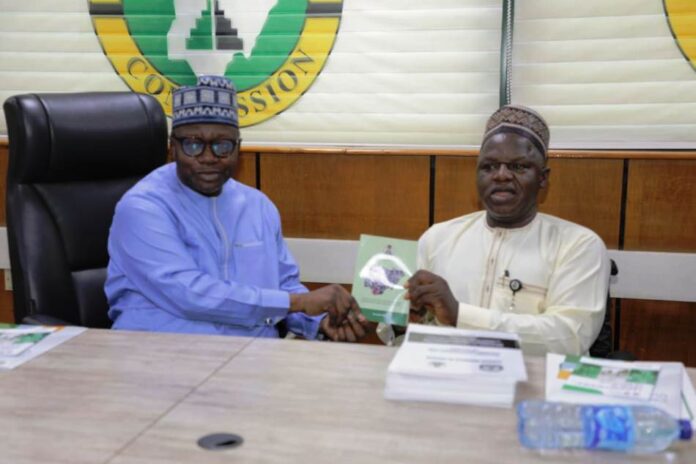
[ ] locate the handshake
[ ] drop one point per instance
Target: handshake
(343, 322)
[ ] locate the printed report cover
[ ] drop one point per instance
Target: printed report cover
(456, 366)
(383, 267)
(620, 382)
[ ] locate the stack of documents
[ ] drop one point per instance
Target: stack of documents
(665, 385)
(456, 366)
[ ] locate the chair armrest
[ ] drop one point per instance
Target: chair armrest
(43, 319)
(622, 356)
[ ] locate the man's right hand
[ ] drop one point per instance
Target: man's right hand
(430, 291)
(332, 299)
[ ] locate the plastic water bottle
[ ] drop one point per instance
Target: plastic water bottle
(632, 429)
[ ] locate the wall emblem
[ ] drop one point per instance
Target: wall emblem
(273, 50)
(680, 16)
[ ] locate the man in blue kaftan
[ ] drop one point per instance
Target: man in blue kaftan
(192, 250)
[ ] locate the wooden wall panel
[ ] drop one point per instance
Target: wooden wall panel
(246, 169)
(340, 197)
(6, 304)
(659, 330)
(660, 216)
(455, 187)
(661, 206)
(587, 192)
(584, 191)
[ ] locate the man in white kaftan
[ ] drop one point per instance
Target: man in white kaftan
(510, 268)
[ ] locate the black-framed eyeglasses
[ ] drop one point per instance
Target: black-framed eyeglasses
(494, 166)
(193, 146)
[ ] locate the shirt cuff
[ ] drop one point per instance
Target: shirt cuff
(274, 304)
(474, 317)
(304, 325)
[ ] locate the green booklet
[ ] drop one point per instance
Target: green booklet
(383, 267)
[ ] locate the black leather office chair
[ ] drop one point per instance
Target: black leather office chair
(72, 157)
(605, 346)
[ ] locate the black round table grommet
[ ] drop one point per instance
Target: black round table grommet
(220, 441)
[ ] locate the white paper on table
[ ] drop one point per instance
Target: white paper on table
(688, 399)
(55, 338)
(613, 379)
(667, 395)
(13, 339)
(451, 352)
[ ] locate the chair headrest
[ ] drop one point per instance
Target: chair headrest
(72, 137)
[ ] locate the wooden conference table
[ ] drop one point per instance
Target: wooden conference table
(125, 397)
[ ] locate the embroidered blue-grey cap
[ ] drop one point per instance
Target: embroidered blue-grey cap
(212, 101)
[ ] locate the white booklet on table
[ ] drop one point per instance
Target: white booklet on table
(20, 343)
(585, 380)
(455, 365)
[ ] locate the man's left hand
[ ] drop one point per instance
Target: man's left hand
(352, 329)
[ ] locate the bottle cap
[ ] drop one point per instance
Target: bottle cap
(685, 430)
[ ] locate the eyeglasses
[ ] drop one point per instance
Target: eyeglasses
(193, 146)
(494, 166)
